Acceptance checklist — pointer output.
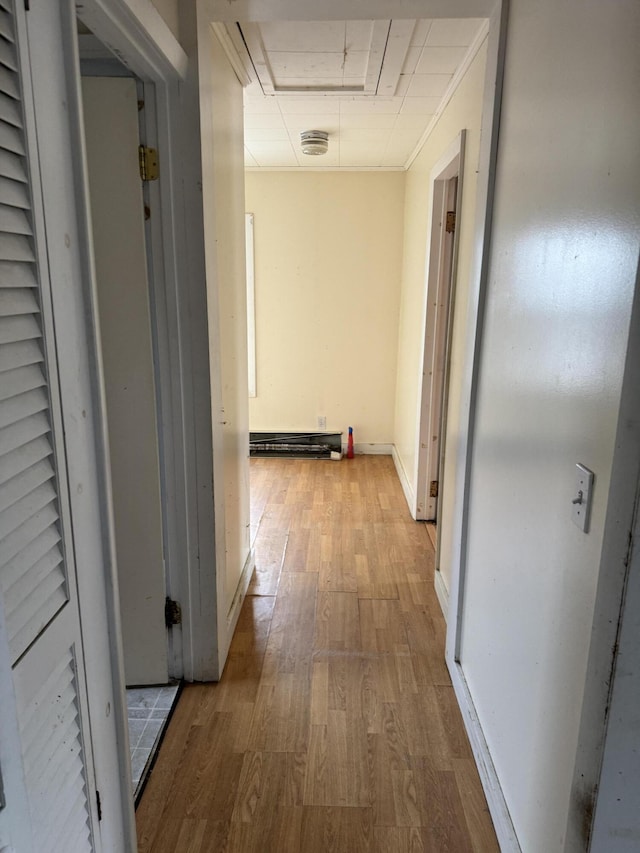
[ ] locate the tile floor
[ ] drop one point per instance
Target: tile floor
(149, 709)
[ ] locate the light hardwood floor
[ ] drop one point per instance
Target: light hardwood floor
(335, 726)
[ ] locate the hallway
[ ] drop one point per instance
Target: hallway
(334, 727)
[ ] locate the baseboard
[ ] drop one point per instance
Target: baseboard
(370, 449)
(238, 599)
(404, 481)
(503, 825)
(443, 594)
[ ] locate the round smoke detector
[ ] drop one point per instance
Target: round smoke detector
(314, 142)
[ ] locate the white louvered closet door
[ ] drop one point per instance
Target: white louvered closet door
(37, 573)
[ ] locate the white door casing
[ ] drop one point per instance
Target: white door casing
(440, 274)
(144, 43)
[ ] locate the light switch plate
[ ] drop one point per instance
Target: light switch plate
(582, 495)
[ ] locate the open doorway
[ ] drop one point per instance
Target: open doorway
(113, 104)
(441, 257)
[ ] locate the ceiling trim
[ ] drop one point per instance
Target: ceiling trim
(222, 34)
(325, 169)
(253, 40)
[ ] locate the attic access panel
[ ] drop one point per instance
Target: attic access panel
(328, 57)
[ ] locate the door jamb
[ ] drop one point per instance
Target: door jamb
(478, 283)
(144, 43)
(612, 673)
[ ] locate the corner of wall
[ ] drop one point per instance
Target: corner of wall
(404, 481)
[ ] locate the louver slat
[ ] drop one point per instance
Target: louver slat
(28, 531)
(9, 82)
(25, 482)
(41, 741)
(79, 841)
(63, 807)
(22, 564)
(17, 435)
(7, 53)
(13, 193)
(15, 301)
(61, 842)
(35, 612)
(11, 138)
(10, 110)
(30, 580)
(19, 354)
(15, 247)
(6, 26)
(31, 451)
(14, 329)
(44, 744)
(21, 380)
(15, 517)
(12, 166)
(22, 406)
(14, 275)
(14, 220)
(55, 775)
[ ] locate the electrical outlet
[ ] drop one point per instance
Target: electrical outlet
(322, 422)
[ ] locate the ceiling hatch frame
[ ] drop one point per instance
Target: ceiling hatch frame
(388, 48)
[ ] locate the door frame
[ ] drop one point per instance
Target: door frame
(146, 601)
(441, 264)
(459, 520)
(144, 43)
(606, 776)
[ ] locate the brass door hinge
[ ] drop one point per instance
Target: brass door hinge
(172, 613)
(149, 168)
(433, 491)
(450, 226)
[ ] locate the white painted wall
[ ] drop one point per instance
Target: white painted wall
(111, 127)
(223, 200)
(561, 278)
(462, 112)
(328, 254)
(170, 13)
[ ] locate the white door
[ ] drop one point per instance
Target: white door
(50, 801)
(110, 106)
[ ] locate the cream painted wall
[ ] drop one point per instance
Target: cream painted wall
(223, 173)
(328, 250)
(462, 112)
(562, 271)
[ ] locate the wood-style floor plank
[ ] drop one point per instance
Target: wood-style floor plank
(334, 728)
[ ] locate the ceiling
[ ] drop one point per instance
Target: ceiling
(376, 86)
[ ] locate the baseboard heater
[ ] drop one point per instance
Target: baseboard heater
(295, 445)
